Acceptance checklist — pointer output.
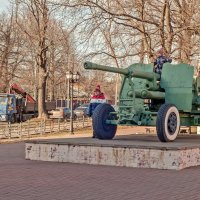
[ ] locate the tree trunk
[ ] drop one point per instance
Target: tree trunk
(41, 94)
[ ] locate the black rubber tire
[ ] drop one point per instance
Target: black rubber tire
(168, 123)
(21, 119)
(102, 130)
(75, 117)
(12, 119)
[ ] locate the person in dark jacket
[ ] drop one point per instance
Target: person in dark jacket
(160, 60)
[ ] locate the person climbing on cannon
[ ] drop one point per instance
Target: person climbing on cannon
(160, 60)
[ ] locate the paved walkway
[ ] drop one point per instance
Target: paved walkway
(32, 180)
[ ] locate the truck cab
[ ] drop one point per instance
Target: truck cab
(7, 107)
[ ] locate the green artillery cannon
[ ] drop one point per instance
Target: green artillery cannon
(148, 99)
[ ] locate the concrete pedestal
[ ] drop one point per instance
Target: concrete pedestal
(142, 151)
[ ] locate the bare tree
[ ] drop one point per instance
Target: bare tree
(38, 13)
(111, 32)
(10, 50)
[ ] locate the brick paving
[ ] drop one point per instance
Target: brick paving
(33, 180)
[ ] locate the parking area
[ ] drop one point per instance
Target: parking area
(25, 179)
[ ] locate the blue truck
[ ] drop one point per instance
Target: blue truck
(16, 109)
(17, 105)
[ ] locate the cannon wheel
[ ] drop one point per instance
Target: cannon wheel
(168, 123)
(101, 129)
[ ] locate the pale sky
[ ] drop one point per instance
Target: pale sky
(3, 4)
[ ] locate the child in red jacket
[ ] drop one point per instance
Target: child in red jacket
(98, 96)
(96, 99)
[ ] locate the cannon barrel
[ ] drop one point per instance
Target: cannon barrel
(89, 65)
(133, 73)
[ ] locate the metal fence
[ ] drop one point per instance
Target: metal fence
(30, 128)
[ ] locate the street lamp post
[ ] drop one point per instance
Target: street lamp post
(72, 78)
(68, 92)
